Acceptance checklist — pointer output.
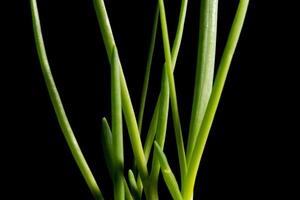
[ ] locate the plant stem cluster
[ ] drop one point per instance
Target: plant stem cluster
(207, 92)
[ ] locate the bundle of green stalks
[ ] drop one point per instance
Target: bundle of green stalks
(142, 179)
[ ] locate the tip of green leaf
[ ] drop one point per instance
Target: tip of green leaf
(161, 156)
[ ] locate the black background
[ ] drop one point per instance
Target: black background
(248, 154)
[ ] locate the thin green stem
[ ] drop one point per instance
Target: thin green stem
(128, 195)
(133, 130)
(154, 121)
(174, 104)
(147, 73)
(106, 138)
(167, 173)
(179, 32)
(128, 111)
(214, 99)
(175, 51)
(103, 20)
(117, 129)
(133, 185)
(152, 130)
(108, 154)
(149, 140)
(204, 69)
(161, 130)
(58, 106)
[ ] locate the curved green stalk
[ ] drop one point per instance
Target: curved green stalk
(106, 138)
(149, 141)
(179, 32)
(133, 185)
(132, 180)
(167, 173)
(58, 106)
(128, 111)
(147, 73)
(204, 70)
(174, 104)
(175, 50)
(128, 195)
(153, 125)
(161, 132)
(152, 130)
(214, 99)
(117, 130)
(133, 130)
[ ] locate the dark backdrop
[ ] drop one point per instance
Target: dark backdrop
(247, 146)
